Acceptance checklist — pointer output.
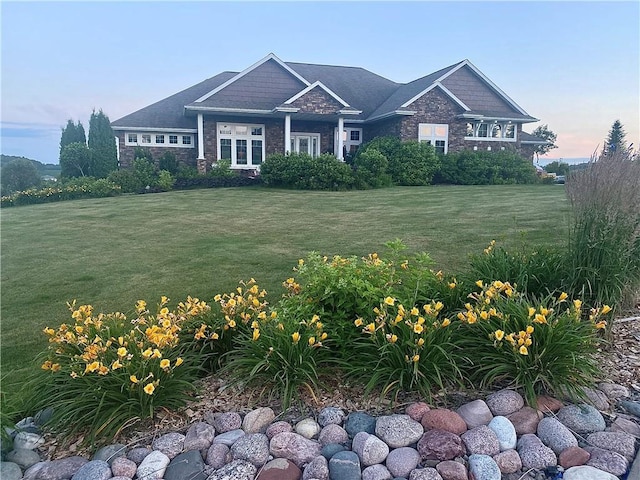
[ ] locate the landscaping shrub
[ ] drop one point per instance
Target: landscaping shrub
(604, 243)
(415, 164)
(72, 189)
(222, 169)
(169, 163)
(301, 171)
(543, 347)
(485, 168)
(104, 372)
(370, 169)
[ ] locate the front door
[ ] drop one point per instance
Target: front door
(308, 143)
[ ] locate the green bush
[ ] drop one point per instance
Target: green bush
(222, 169)
(301, 171)
(18, 175)
(485, 168)
(105, 372)
(415, 164)
(370, 169)
(165, 181)
(169, 163)
(71, 189)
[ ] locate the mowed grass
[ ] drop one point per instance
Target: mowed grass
(111, 252)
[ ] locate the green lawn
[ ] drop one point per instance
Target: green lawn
(111, 252)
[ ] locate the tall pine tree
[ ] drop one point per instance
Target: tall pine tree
(102, 143)
(616, 139)
(72, 133)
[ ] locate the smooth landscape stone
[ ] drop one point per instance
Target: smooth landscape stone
(171, 444)
(525, 420)
(110, 452)
(398, 430)
(308, 428)
(10, 471)
(279, 469)
(548, 404)
(401, 461)
(345, 466)
(607, 460)
(23, 457)
(331, 416)
(199, 436)
(123, 467)
(444, 419)
(504, 402)
(278, 427)
(440, 445)
(218, 455)
(425, 474)
(621, 443)
(417, 410)
(236, 470)
(317, 469)
(55, 469)
(359, 422)
(138, 454)
(187, 465)
(534, 454)
(626, 426)
(632, 407)
(581, 418)
(450, 470)
(587, 473)
(257, 421)
(224, 422)
(376, 472)
(153, 466)
(597, 398)
(505, 432)
(481, 440)
(475, 413)
(93, 470)
(331, 449)
(253, 447)
(555, 435)
(333, 433)
(573, 457)
(483, 467)
(294, 447)
(229, 438)
(614, 391)
(43, 416)
(27, 440)
(508, 461)
(369, 448)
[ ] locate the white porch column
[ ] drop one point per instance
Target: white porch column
(340, 155)
(287, 133)
(200, 137)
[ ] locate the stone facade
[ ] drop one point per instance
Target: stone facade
(184, 156)
(317, 101)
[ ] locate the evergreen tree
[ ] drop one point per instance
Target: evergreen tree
(102, 143)
(616, 139)
(72, 133)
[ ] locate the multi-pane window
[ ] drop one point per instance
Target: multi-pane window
(502, 131)
(351, 139)
(159, 140)
(436, 134)
(241, 144)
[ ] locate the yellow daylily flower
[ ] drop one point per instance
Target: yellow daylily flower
(149, 388)
(523, 350)
(178, 361)
(295, 337)
(499, 334)
(165, 363)
(606, 309)
(390, 301)
(358, 322)
(256, 334)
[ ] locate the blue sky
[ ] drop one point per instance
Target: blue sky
(573, 65)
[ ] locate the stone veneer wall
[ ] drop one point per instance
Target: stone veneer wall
(184, 156)
(317, 101)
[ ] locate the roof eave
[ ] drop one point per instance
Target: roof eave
(154, 129)
(382, 116)
(228, 110)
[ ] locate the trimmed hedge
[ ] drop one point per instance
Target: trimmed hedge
(301, 171)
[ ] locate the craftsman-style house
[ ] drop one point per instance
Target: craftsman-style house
(276, 107)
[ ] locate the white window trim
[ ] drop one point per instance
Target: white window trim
(166, 144)
(503, 129)
(233, 137)
(433, 138)
(346, 138)
(294, 135)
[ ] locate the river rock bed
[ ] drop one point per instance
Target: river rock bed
(493, 438)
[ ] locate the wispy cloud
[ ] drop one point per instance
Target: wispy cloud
(27, 130)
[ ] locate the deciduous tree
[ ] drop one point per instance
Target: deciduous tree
(75, 160)
(545, 133)
(19, 175)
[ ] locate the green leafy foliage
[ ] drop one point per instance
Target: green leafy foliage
(75, 160)
(18, 175)
(485, 168)
(70, 189)
(370, 169)
(143, 177)
(104, 153)
(72, 133)
(301, 171)
(559, 168)
(415, 164)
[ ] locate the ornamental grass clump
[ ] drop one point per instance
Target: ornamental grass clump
(104, 372)
(405, 349)
(604, 247)
(543, 347)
